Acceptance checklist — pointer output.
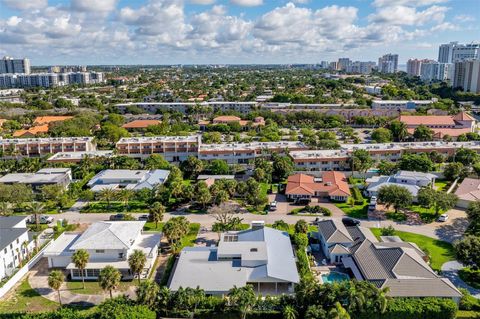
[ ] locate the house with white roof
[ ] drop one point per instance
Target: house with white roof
(108, 244)
(388, 262)
(46, 176)
(117, 179)
(260, 256)
(412, 181)
(15, 243)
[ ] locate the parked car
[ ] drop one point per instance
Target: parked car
(347, 221)
(443, 218)
(273, 205)
(44, 219)
(302, 201)
(142, 217)
(117, 217)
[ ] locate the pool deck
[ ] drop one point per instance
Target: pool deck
(322, 270)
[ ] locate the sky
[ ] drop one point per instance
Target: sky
(115, 32)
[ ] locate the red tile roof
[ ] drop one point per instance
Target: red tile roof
(50, 119)
(333, 183)
(141, 123)
(427, 120)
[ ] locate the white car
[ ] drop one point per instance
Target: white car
(273, 205)
(443, 218)
(43, 219)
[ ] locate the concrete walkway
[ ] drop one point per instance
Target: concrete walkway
(38, 280)
(450, 270)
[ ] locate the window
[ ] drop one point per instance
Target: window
(253, 250)
(120, 255)
(100, 251)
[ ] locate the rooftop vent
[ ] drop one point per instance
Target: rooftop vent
(258, 224)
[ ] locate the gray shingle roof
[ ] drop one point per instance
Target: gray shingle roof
(7, 236)
(334, 231)
(7, 222)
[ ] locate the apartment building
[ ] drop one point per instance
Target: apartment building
(338, 160)
(243, 153)
(400, 104)
(172, 148)
(388, 63)
(467, 76)
(50, 79)
(442, 125)
(11, 65)
(435, 71)
(19, 147)
(182, 107)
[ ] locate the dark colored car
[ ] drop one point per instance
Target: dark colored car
(347, 221)
(117, 217)
(143, 217)
(302, 201)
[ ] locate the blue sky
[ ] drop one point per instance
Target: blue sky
(231, 31)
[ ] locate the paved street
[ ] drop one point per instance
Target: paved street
(448, 231)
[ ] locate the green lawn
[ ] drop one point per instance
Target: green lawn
(426, 214)
(116, 207)
(189, 240)
(291, 228)
(92, 287)
(439, 251)
(25, 298)
(464, 314)
(441, 185)
(356, 211)
(264, 187)
(150, 226)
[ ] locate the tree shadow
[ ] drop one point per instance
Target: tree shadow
(453, 231)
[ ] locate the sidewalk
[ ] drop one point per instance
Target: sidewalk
(450, 270)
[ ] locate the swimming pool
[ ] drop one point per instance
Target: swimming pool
(334, 276)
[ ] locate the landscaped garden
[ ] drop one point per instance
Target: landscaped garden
(116, 207)
(93, 288)
(25, 298)
(438, 251)
(355, 210)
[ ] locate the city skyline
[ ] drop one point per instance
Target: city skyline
(230, 32)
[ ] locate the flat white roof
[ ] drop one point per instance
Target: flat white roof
(46, 140)
(79, 155)
(153, 139)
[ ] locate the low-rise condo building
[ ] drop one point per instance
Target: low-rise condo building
(34, 147)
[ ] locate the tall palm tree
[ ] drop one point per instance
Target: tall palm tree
(137, 261)
(109, 279)
(36, 209)
(124, 196)
(107, 194)
(55, 281)
(338, 312)
(156, 213)
(242, 298)
(80, 259)
(147, 293)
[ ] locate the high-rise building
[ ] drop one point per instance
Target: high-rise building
(388, 63)
(445, 52)
(435, 71)
(467, 76)
(362, 67)
(333, 66)
(324, 64)
(11, 65)
(50, 79)
(414, 66)
(343, 64)
(454, 52)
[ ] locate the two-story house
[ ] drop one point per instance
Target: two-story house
(15, 243)
(107, 243)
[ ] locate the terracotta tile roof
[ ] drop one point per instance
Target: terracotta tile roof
(39, 129)
(441, 132)
(427, 120)
(49, 119)
(226, 118)
(463, 116)
(141, 123)
(333, 183)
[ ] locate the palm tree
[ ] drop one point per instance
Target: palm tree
(289, 312)
(36, 209)
(109, 279)
(80, 259)
(55, 281)
(5, 209)
(147, 293)
(124, 196)
(25, 249)
(136, 262)
(156, 213)
(338, 312)
(242, 298)
(107, 194)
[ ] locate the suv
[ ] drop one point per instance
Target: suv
(43, 219)
(273, 205)
(347, 221)
(117, 217)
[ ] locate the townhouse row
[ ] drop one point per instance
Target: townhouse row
(178, 148)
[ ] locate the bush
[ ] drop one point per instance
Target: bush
(468, 302)
(357, 196)
(387, 231)
(316, 210)
(470, 276)
(426, 308)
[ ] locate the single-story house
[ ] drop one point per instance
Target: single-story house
(210, 179)
(108, 244)
(468, 192)
(333, 185)
(412, 181)
(46, 176)
(260, 256)
(140, 124)
(400, 266)
(117, 179)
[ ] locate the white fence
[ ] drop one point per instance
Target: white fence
(22, 272)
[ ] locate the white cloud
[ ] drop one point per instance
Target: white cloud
(94, 5)
(464, 18)
(413, 3)
(202, 2)
(247, 3)
(403, 15)
(25, 4)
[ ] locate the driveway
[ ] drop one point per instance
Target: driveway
(450, 270)
(38, 280)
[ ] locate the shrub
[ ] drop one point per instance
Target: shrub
(470, 276)
(357, 196)
(316, 210)
(387, 231)
(468, 302)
